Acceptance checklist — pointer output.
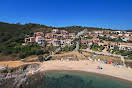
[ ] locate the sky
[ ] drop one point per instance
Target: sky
(114, 14)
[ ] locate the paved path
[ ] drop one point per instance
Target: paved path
(77, 46)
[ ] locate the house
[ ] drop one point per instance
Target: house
(114, 36)
(125, 46)
(84, 42)
(55, 36)
(56, 42)
(55, 31)
(60, 36)
(66, 36)
(63, 42)
(87, 42)
(124, 39)
(87, 32)
(108, 45)
(50, 35)
(130, 38)
(120, 34)
(130, 33)
(39, 34)
(117, 32)
(72, 35)
(63, 32)
(98, 32)
(49, 42)
(68, 41)
(30, 40)
(127, 35)
(40, 40)
(101, 35)
(94, 35)
(112, 45)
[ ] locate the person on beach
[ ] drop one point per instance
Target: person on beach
(110, 62)
(106, 62)
(99, 67)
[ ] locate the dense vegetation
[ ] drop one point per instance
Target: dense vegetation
(12, 36)
(113, 39)
(96, 47)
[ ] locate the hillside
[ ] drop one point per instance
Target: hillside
(11, 32)
(12, 36)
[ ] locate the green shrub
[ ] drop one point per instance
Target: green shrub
(22, 55)
(40, 58)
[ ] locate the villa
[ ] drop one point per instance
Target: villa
(39, 34)
(55, 30)
(30, 40)
(56, 42)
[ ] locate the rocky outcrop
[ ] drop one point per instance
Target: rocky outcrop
(15, 77)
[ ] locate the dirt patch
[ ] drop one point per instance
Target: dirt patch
(73, 55)
(31, 58)
(15, 63)
(7, 58)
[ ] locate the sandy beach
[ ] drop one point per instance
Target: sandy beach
(88, 66)
(82, 65)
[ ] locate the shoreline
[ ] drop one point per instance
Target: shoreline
(61, 67)
(88, 72)
(86, 66)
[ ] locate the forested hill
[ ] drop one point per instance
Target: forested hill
(6, 27)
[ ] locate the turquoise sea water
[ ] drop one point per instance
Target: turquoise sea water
(74, 79)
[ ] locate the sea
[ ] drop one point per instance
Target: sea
(74, 79)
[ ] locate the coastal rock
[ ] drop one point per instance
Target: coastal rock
(15, 77)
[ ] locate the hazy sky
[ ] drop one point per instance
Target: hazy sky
(115, 14)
